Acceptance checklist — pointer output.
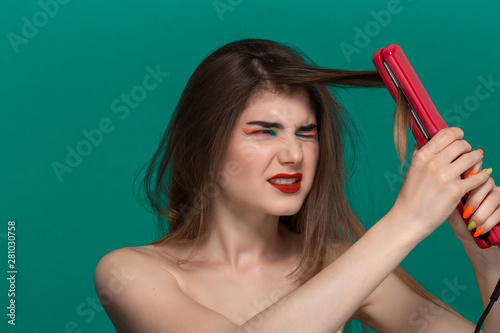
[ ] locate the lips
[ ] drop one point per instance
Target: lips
(287, 188)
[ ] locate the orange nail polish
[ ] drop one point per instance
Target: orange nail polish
(478, 232)
(468, 211)
(481, 151)
(470, 174)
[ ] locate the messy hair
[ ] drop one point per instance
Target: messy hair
(180, 185)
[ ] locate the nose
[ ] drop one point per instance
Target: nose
(291, 151)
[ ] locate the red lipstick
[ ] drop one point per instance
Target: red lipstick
(287, 188)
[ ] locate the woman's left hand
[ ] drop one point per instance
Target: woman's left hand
(485, 200)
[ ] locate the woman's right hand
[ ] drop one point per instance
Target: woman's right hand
(432, 186)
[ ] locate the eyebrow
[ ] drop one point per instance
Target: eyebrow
(267, 124)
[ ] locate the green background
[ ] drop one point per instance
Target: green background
(63, 79)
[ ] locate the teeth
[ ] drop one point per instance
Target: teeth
(284, 181)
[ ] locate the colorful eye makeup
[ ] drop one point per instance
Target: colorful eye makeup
(307, 134)
(266, 132)
(311, 134)
(247, 130)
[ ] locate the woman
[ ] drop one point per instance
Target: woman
(249, 180)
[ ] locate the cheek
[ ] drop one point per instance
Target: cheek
(250, 158)
(311, 156)
(247, 151)
(244, 152)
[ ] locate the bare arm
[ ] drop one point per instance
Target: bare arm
(147, 298)
(396, 308)
(152, 301)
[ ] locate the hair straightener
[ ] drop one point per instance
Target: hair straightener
(397, 73)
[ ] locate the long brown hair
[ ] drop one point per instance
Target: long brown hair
(181, 180)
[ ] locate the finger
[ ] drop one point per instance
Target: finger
(465, 162)
(442, 139)
(472, 171)
(477, 198)
(456, 149)
(491, 222)
(486, 215)
(475, 169)
(475, 181)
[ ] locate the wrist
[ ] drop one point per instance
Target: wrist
(484, 260)
(411, 225)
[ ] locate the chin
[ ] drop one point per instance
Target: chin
(289, 214)
(286, 208)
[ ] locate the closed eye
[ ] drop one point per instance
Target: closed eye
(265, 132)
(311, 135)
(268, 132)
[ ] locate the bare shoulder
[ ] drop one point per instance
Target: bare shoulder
(121, 268)
(117, 255)
(127, 262)
(139, 294)
(113, 261)
(120, 277)
(127, 256)
(139, 255)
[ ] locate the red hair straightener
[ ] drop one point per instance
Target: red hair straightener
(397, 73)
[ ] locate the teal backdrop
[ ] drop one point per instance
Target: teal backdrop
(71, 145)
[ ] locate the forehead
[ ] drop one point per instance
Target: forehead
(284, 108)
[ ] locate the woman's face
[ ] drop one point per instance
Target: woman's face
(274, 137)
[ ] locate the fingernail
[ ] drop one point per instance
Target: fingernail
(471, 225)
(469, 174)
(478, 232)
(468, 211)
(481, 151)
(489, 171)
